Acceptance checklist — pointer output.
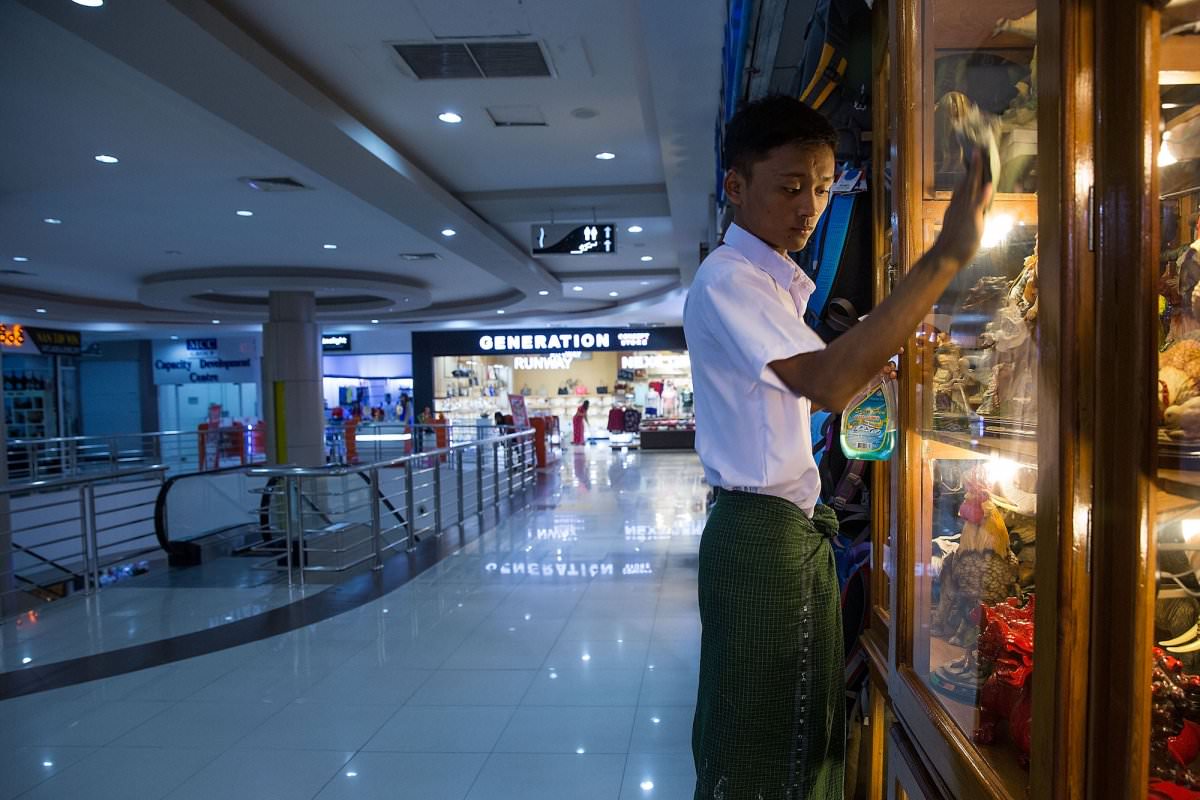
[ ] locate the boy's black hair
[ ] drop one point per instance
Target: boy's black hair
(759, 127)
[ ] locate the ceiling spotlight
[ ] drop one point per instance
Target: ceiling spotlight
(26, 660)
(376, 322)
(244, 213)
(606, 156)
(499, 310)
(52, 221)
(448, 232)
(329, 246)
(89, 3)
(107, 159)
(634, 229)
(577, 288)
(643, 283)
(450, 118)
(647, 258)
(40, 310)
(20, 258)
(614, 294)
(216, 322)
(543, 292)
(174, 338)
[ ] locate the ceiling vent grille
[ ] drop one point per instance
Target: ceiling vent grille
(474, 59)
(420, 256)
(274, 184)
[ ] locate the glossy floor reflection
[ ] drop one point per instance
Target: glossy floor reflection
(555, 657)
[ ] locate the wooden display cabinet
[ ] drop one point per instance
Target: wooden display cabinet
(1048, 455)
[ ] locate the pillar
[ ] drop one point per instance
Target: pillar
(291, 385)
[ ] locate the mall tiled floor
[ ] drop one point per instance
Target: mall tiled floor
(555, 657)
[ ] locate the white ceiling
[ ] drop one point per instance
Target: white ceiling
(192, 95)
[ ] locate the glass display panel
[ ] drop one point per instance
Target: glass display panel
(977, 536)
(1175, 696)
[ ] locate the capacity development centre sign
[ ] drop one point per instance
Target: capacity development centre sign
(207, 360)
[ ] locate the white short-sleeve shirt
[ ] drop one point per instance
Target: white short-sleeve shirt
(745, 310)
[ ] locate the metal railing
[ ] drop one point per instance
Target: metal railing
(179, 451)
(333, 519)
(69, 534)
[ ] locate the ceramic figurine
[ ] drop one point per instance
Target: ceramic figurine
(1006, 657)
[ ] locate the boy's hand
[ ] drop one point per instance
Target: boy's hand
(962, 225)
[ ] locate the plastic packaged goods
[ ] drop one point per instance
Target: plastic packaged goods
(868, 431)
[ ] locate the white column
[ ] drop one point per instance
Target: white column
(291, 386)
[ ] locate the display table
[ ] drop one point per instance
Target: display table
(668, 434)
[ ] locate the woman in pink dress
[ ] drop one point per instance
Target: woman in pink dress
(580, 423)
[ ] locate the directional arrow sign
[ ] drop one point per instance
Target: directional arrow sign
(574, 240)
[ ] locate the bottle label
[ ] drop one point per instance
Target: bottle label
(864, 427)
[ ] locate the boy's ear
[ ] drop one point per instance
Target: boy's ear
(735, 186)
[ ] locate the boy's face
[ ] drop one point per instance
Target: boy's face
(784, 195)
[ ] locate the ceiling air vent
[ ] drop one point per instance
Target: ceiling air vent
(420, 256)
(274, 184)
(516, 116)
(474, 59)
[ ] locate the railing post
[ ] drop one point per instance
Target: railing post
(85, 540)
(376, 527)
(479, 477)
(509, 446)
(291, 514)
(458, 467)
(93, 536)
(496, 472)
(410, 505)
(33, 461)
(437, 496)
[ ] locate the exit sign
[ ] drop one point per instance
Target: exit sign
(596, 239)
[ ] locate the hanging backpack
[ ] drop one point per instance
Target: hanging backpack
(834, 72)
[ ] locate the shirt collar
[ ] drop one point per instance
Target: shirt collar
(762, 255)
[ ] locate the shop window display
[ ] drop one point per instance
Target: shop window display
(1174, 739)
(976, 535)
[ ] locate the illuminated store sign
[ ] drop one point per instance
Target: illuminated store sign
(568, 569)
(45, 341)
(206, 361)
(555, 361)
(335, 342)
(12, 335)
(670, 362)
(543, 341)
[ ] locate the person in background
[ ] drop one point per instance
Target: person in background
(771, 704)
(580, 424)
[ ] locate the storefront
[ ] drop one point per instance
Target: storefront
(41, 381)
(633, 379)
(199, 378)
(366, 373)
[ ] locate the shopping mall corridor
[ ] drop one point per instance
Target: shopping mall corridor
(554, 657)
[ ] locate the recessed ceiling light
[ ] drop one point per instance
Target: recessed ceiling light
(644, 283)
(52, 221)
(47, 763)
(448, 232)
(647, 258)
(216, 322)
(244, 213)
(174, 338)
(89, 3)
(606, 156)
(634, 229)
(1169, 106)
(20, 258)
(647, 785)
(26, 660)
(107, 159)
(543, 292)
(450, 117)
(577, 288)
(329, 246)
(40, 310)
(376, 322)
(614, 294)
